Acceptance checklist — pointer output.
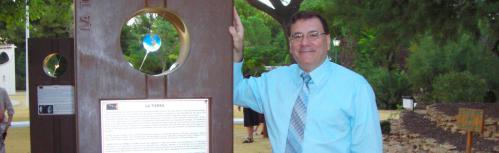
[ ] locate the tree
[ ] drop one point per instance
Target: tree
(393, 27)
(440, 71)
(264, 43)
(48, 18)
(397, 23)
(12, 17)
(51, 18)
(458, 87)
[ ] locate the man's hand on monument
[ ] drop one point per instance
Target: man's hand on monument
(237, 32)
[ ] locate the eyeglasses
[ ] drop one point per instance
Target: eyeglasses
(312, 35)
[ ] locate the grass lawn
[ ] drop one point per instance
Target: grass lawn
(18, 139)
(260, 145)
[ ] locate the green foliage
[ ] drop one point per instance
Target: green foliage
(20, 71)
(389, 86)
(377, 30)
(51, 18)
(264, 40)
(11, 20)
(367, 56)
(458, 87)
(131, 43)
(398, 22)
(48, 19)
(424, 64)
(430, 60)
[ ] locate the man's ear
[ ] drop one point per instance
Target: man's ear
(328, 41)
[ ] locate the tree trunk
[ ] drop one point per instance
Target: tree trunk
(280, 12)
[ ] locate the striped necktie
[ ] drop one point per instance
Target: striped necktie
(298, 116)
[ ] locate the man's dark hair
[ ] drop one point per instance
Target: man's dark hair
(307, 15)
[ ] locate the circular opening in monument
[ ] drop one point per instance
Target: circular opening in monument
(54, 65)
(4, 58)
(154, 41)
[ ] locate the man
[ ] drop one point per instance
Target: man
(5, 105)
(314, 106)
(251, 122)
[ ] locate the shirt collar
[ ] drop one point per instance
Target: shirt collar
(318, 75)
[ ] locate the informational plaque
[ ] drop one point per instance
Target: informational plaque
(470, 119)
(55, 99)
(155, 126)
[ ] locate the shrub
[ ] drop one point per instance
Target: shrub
(430, 59)
(459, 87)
(385, 127)
(389, 87)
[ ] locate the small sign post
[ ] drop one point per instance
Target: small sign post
(470, 120)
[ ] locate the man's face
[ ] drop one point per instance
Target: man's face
(309, 50)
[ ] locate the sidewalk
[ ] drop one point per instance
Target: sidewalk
(19, 98)
(21, 107)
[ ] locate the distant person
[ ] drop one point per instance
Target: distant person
(314, 106)
(251, 123)
(5, 105)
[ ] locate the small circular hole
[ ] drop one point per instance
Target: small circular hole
(154, 41)
(54, 65)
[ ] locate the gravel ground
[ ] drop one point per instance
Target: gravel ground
(417, 123)
(490, 109)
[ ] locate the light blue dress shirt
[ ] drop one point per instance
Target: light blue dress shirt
(341, 114)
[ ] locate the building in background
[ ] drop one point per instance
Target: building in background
(8, 68)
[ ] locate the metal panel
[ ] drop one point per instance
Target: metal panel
(56, 133)
(102, 72)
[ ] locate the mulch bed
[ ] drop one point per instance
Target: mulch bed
(417, 123)
(489, 109)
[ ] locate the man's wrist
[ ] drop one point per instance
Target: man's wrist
(238, 57)
(238, 62)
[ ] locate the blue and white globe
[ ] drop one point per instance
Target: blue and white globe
(151, 42)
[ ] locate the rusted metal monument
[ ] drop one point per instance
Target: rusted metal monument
(96, 70)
